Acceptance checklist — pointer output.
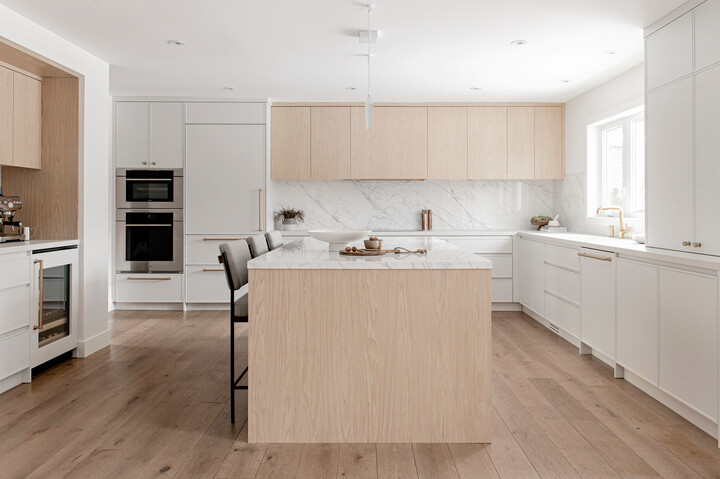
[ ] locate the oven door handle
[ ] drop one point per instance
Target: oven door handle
(148, 179)
(149, 225)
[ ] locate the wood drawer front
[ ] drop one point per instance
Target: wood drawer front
(207, 284)
(562, 314)
(14, 272)
(562, 257)
(14, 353)
(488, 245)
(225, 113)
(502, 265)
(205, 249)
(148, 288)
(14, 309)
(562, 283)
(502, 291)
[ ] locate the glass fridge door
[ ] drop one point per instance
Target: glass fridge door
(54, 311)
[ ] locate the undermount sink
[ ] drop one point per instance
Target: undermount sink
(338, 239)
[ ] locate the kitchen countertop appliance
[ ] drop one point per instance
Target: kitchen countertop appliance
(10, 230)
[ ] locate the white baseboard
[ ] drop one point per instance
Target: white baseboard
(506, 307)
(91, 345)
(149, 306)
(10, 382)
(207, 306)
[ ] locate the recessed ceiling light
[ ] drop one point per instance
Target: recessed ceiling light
(229, 88)
(564, 81)
(518, 43)
(610, 52)
(475, 88)
(352, 88)
(176, 43)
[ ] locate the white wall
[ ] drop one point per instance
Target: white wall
(615, 96)
(94, 169)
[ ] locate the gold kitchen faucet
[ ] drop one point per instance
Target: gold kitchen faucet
(623, 226)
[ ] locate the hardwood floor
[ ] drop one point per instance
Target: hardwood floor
(156, 404)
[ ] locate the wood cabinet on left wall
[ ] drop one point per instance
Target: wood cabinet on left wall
(20, 119)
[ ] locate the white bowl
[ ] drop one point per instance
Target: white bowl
(338, 239)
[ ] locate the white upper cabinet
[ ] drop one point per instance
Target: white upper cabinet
(225, 174)
(669, 120)
(226, 113)
(166, 134)
(132, 134)
(707, 34)
(149, 134)
(668, 52)
(707, 162)
(689, 338)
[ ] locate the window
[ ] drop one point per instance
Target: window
(616, 163)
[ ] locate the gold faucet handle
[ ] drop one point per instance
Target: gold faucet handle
(612, 231)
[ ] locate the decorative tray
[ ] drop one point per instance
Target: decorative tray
(380, 252)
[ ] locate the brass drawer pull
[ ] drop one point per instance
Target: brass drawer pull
(697, 245)
(686, 243)
(259, 209)
(219, 270)
(149, 279)
(599, 258)
(41, 279)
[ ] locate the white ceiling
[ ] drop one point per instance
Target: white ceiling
(293, 50)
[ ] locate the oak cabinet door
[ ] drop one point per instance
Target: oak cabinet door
(396, 147)
(521, 143)
(6, 117)
(27, 129)
(548, 142)
(447, 143)
(487, 142)
(290, 137)
(330, 143)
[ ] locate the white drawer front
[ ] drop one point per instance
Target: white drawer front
(207, 284)
(148, 288)
(563, 283)
(562, 314)
(205, 249)
(502, 265)
(502, 291)
(14, 272)
(563, 257)
(14, 309)
(486, 244)
(14, 353)
(225, 113)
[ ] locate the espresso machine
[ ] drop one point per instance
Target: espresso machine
(10, 230)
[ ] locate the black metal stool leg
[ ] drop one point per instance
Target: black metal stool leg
(232, 357)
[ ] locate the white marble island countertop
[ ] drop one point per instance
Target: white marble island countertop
(309, 253)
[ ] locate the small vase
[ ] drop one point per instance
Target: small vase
(289, 224)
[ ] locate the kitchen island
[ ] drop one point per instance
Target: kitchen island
(393, 348)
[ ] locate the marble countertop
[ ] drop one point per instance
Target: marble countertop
(626, 247)
(23, 246)
(309, 253)
(410, 233)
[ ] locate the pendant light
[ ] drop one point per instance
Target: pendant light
(369, 100)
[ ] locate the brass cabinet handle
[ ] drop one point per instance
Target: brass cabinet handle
(148, 279)
(686, 243)
(222, 239)
(599, 258)
(144, 162)
(213, 269)
(40, 324)
(152, 163)
(697, 245)
(259, 209)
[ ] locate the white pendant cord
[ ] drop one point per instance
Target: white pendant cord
(369, 42)
(369, 101)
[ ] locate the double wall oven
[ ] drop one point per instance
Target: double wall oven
(149, 220)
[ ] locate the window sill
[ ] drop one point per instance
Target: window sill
(633, 222)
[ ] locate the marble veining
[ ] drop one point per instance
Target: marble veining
(396, 205)
(309, 253)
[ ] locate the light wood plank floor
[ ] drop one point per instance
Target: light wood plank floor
(155, 404)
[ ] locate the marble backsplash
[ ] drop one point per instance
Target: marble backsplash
(397, 205)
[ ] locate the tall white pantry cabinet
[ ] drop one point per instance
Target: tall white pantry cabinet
(683, 146)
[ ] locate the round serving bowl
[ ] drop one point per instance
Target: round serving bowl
(338, 239)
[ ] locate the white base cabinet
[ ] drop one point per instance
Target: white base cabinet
(689, 338)
(597, 297)
(531, 256)
(148, 288)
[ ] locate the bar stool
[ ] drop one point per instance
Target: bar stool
(234, 258)
(258, 245)
(274, 239)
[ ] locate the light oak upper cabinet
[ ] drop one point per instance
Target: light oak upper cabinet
(668, 52)
(521, 143)
(548, 143)
(488, 143)
(447, 143)
(396, 147)
(6, 117)
(290, 137)
(330, 143)
(27, 129)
